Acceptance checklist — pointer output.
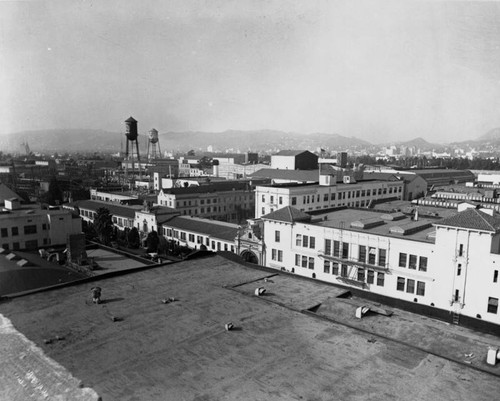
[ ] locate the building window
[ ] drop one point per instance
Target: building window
(413, 262)
(280, 200)
(335, 268)
(401, 284)
(372, 253)
(410, 286)
(263, 210)
(191, 237)
(495, 276)
(183, 236)
(273, 254)
(459, 269)
(461, 250)
(294, 200)
(336, 248)
(312, 242)
(277, 236)
(305, 241)
(199, 239)
(345, 250)
(420, 288)
(15, 246)
(343, 270)
(380, 279)
(304, 261)
(492, 305)
(218, 246)
(326, 267)
(370, 277)
(381, 257)
(422, 265)
(311, 263)
(280, 256)
(328, 246)
(362, 254)
(297, 259)
(402, 259)
(298, 240)
(361, 275)
(32, 244)
(4, 232)
(15, 231)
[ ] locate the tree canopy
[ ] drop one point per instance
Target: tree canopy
(103, 225)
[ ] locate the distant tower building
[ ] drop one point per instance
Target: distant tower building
(152, 142)
(131, 134)
(342, 159)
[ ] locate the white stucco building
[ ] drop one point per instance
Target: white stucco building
(309, 197)
(449, 265)
(30, 226)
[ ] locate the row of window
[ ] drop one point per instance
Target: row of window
(409, 285)
(88, 213)
(366, 254)
(304, 261)
(271, 199)
(306, 199)
(305, 241)
(413, 261)
(362, 275)
(123, 222)
(183, 236)
(208, 201)
(31, 244)
(277, 255)
(29, 229)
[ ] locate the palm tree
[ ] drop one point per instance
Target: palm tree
(103, 225)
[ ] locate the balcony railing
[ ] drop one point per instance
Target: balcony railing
(353, 261)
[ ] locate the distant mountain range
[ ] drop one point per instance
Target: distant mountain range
(86, 140)
(81, 140)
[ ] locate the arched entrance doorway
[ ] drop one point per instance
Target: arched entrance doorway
(250, 257)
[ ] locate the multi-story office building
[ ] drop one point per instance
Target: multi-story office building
(309, 197)
(30, 226)
(449, 265)
(232, 201)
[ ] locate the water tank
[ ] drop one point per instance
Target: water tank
(153, 136)
(131, 129)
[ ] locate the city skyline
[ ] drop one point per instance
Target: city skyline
(372, 70)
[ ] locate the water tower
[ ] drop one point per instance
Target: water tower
(131, 134)
(153, 140)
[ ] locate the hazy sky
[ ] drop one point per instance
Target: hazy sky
(376, 70)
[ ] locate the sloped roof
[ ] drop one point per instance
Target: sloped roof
(287, 214)
(114, 208)
(131, 120)
(7, 193)
(472, 219)
(282, 174)
(216, 229)
(291, 152)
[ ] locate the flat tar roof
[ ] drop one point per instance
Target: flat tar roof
(180, 350)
